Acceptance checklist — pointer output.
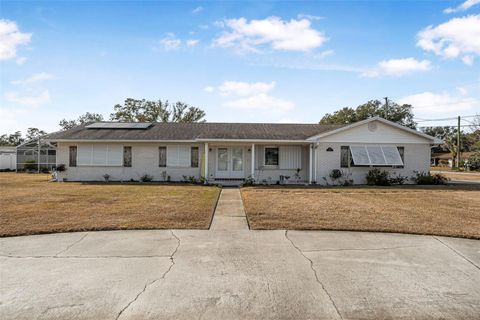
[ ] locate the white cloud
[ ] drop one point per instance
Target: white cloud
(261, 101)
(10, 39)
(20, 60)
(170, 42)
(229, 88)
(209, 89)
(197, 10)
(192, 42)
(398, 67)
(458, 37)
(29, 101)
(439, 103)
(464, 6)
(42, 76)
(251, 95)
(253, 35)
(308, 16)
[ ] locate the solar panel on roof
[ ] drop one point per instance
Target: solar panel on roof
(119, 125)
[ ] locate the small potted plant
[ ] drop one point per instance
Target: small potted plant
(106, 176)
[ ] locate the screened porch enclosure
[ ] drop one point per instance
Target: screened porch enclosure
(36, 155)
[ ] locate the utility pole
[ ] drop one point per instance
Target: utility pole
(386, 108)
(458, 143)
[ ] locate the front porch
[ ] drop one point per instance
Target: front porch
(232, 163)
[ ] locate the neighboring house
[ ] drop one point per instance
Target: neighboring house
(8, 158)
(446, 159)
(233, 152)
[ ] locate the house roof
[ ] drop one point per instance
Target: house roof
(196, 131)
(380, 119)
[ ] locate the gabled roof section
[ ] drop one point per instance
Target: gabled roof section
(382, 120)
(167, 131)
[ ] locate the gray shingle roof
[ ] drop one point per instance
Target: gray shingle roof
(193, 131)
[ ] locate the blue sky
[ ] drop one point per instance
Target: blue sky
(239, 61)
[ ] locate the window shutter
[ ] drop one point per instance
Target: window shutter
(344, 157)
(162, 156)
(290, 157)
(72, 159)
(127, 156)
(194, 157)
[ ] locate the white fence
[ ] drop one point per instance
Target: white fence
(8, 161)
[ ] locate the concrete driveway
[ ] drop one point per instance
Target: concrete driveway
(238, 274)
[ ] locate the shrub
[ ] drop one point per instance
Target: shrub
(335, 174)
(146, 178)
(30, 165)
(377, 177)
(398, 179)
(423, 178)
(249, 181)
(203, 180)
(61, 168)
(189, 179)
(44, 170)
(339, 177)
(106, 177)
(474, 162)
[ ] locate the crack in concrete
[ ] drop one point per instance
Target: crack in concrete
(456, 252)
(155, 280)
(362, 249)
(70, 246)
(315, 273)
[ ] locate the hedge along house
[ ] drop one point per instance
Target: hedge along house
(230, 153)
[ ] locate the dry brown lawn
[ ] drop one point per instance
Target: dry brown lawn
(436, 210)
(29, 204)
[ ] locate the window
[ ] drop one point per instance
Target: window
(72, 156)
(52, 152)
(376, 156)
(127, 156)
(162, 156)
(178, 156)
(99, 154)
(271, 156)
(194, 157)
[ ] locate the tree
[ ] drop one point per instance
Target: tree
(134, 110)
(34, 133)
(11, 139)
(83, 119)
(401, 114)
(449, 137)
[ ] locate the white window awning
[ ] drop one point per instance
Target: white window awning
(373, 155)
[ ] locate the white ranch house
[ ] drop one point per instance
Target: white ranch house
(229, 153)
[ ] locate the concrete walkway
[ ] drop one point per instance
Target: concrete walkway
(230, 213)
(238, 274)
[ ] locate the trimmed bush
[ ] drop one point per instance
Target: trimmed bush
(377, 177)
(423, 178)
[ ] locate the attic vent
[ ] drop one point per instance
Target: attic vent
(329, 149)
(119, 125)
(372, 127)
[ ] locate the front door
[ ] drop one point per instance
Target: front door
(230, 163)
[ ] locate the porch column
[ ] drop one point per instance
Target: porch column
(206, 161)
(310, 164)
(253, 160)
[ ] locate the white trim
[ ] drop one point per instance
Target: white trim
(382, 120)
(254, 141)
(122, 141)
